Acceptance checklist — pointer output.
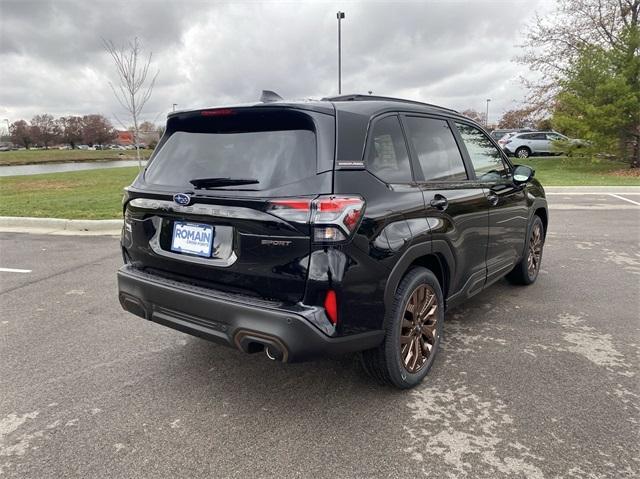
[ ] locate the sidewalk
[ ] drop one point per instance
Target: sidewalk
(58, 226)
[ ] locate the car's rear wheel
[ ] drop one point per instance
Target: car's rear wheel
(526, 271)
(523, 152)
(413, 332)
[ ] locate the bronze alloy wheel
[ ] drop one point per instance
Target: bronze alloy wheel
(419, 330)
(535, 250)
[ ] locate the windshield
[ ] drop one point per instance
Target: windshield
(272, 156)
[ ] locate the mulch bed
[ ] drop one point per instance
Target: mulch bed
(628, 172)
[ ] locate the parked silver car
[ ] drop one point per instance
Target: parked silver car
(501, 132)
(523, 145)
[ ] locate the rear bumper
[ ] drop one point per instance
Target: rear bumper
(241, 322)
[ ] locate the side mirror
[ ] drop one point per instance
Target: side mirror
(522, 174)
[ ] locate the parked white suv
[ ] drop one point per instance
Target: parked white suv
(523, 145)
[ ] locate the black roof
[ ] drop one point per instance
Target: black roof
(353, 103)
(359, 97)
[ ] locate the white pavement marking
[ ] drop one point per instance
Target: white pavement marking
(14, 270)
(589, 193)
(616, 207)
(624, 199)
(598, 194)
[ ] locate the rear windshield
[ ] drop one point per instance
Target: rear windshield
(273, 149)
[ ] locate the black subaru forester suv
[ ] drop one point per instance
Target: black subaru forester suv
(314, 228)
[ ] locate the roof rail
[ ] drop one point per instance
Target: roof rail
(360, 97)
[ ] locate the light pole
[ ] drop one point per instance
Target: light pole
(486, 118)
(174, 106)
(340, 16)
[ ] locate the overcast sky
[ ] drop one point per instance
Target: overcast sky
(450, 52)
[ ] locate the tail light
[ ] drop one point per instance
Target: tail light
(335, 218)
(297, 210)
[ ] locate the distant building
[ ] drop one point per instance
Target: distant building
(125, 137)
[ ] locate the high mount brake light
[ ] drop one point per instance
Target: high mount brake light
(218, 112)
(335, 217)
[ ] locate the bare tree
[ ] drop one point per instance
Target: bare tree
(97, 130)
(70, 129)
(517, 118)
(474, 115)
(21, 133)
(135, 85)
(147, 127)
(45, 129)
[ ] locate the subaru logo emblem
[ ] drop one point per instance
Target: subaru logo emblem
(182, 199)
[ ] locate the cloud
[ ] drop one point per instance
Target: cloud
(455, 53)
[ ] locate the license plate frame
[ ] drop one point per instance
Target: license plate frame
(192, 238)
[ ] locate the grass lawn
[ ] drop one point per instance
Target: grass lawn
(570, 171)
(97, 194)
(91, 194)
(28, 157)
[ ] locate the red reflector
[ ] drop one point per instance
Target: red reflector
(296, 204)
(220, 112)
(331, 306)
(351, 219)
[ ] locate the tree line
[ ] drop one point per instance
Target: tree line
(45, 130)
(587, 56)
(511, 119)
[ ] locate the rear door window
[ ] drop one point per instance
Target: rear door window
(437, 151)
(274, 150)
(387, 155)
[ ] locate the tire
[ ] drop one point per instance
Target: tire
(522, 273)
(523, 152)
(386, 363)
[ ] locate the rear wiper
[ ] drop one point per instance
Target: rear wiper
(218, 182)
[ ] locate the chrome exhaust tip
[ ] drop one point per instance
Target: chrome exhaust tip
(253, 342)
(271, 354)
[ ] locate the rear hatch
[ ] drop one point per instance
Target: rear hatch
(214, 205)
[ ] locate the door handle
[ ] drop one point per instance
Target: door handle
(493, 199)
(439, 202)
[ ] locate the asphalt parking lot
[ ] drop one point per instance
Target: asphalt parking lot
(539, 381)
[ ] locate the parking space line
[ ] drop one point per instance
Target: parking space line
(587, 193)
(624, 199)
(14, 270)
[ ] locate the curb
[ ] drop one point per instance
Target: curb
(19, 224)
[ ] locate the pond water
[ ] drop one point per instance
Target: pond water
(20, 170)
